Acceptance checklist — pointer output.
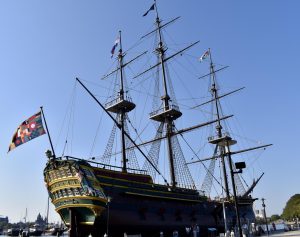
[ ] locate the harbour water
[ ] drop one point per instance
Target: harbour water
(41, 235)
(294, 233)
(281, 230)
(281, 226)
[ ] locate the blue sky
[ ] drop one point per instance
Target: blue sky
(44, 45)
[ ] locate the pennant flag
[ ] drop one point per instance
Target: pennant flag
(204, 56)
(28, 130)
(114, 47)
(150, 9)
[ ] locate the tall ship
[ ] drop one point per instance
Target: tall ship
(94, 196)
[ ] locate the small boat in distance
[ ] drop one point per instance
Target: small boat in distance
(55, 230)
(35, 230)
(12, 232)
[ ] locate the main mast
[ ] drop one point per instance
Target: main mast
(169, 112)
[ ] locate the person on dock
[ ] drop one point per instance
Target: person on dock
(274, 226)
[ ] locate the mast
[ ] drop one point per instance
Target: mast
(121, 105)
(218, 126)
(122, 111)
(224, 141)
(161, 52)
(219, 134)
(168, 113)
(25, 218)
(47, 220)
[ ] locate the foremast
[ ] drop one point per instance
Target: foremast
(123, 108)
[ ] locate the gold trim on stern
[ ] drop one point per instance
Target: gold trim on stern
(80, 197)
(82, 223)
(92, 207)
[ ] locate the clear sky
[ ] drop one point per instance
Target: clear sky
(44, 45)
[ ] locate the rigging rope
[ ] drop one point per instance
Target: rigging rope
(207, 183)
(105, 159)
(201, 162)
(153, 154)
(130, 153)
(182, 172)
(69, 111)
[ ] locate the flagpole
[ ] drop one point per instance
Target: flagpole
(156, 9)
(48, 132)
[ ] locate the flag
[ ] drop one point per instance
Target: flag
(150, 9)
(28, 130)
(114, 47)
(204, 56)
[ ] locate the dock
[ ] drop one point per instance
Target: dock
(292, 233)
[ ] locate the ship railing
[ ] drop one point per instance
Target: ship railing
(161, 110)
(222, 199)
(187, 187)
(201, 192)
(106, 166)
(225, 134)
(117, 100)
(118, 168)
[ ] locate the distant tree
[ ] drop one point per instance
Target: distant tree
(292, 208)
(274, 217)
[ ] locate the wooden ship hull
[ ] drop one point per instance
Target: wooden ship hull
(80, 194)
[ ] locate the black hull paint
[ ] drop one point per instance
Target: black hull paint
(138, 206)
(140, 216)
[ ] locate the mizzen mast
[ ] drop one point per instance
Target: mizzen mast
(221, 139)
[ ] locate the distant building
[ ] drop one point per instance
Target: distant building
(3, 220)
(40, 221)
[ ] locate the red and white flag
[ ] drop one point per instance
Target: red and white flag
(204, 56)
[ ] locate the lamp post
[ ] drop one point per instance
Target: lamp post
(237, 212)
(107, 222)
(265, 216)
(226, 141)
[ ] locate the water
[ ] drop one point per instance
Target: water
(64, 234)
(280, 226)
